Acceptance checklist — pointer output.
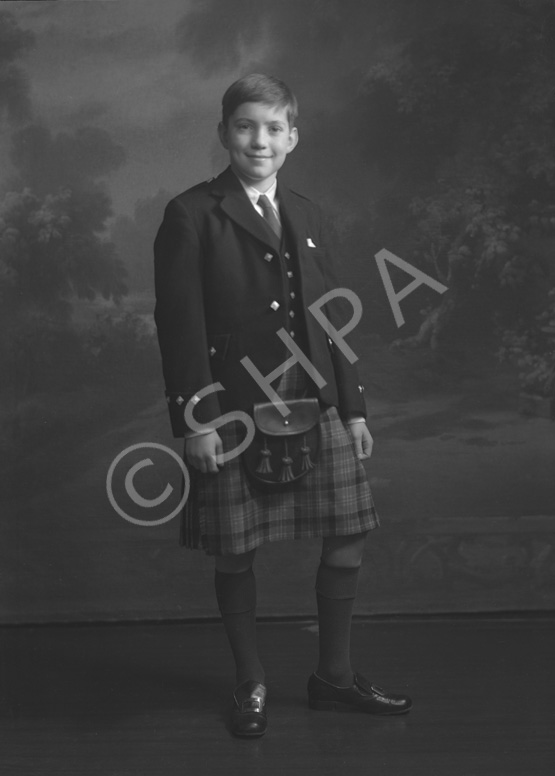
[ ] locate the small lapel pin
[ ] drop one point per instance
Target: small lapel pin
(310, 243)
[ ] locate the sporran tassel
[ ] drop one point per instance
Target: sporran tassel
(307, 463)
(286, 474)
(264, 467)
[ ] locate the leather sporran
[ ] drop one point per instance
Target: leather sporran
(284, 449)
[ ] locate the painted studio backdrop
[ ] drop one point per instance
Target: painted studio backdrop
(427, 129)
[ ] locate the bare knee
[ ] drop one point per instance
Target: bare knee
(235, 564)
(343, 551)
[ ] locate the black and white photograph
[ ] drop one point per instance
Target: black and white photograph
(277, 387)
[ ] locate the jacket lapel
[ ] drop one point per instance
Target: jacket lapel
(236, 204)
(293, 218)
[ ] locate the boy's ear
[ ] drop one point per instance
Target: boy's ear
(222, 134)
(293, 139)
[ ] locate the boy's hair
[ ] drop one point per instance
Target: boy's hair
(259, 88)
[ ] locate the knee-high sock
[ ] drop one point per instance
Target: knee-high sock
(335, 594)
(236, 594)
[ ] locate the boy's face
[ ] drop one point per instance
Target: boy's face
(258, 138)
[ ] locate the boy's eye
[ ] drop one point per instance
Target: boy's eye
(275, 129)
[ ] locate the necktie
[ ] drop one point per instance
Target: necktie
(269, 215)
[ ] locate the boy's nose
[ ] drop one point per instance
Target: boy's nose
(259, 139)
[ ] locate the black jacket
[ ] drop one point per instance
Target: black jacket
(218, 275)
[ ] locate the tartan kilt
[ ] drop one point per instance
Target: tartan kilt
(226, 514)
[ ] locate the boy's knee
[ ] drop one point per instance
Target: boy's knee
(343, 551)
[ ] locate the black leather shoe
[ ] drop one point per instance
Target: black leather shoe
(248, 717)
(362, 696)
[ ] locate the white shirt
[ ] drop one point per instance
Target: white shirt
(253, 195)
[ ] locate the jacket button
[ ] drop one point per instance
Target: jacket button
(268, 256)
(287, 255)
(275, 305)
(212, 351)
(292, 294)
(289, 274)
(292, 314)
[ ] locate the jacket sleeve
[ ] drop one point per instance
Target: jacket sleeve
(339, 312)
(179, 316)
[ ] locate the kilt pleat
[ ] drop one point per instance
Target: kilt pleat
(226, 514)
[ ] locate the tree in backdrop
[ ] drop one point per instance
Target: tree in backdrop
(50, 256)
(53, 245)
(466, 132)
(134, 238)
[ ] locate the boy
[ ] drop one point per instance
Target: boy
(239, 260)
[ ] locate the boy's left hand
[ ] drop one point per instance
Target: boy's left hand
(362, 439)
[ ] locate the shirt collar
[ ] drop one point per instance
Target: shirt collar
(253, 193)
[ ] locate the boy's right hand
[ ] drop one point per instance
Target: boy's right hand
(203, 452)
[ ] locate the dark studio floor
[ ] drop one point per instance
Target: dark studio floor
(152, 699)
